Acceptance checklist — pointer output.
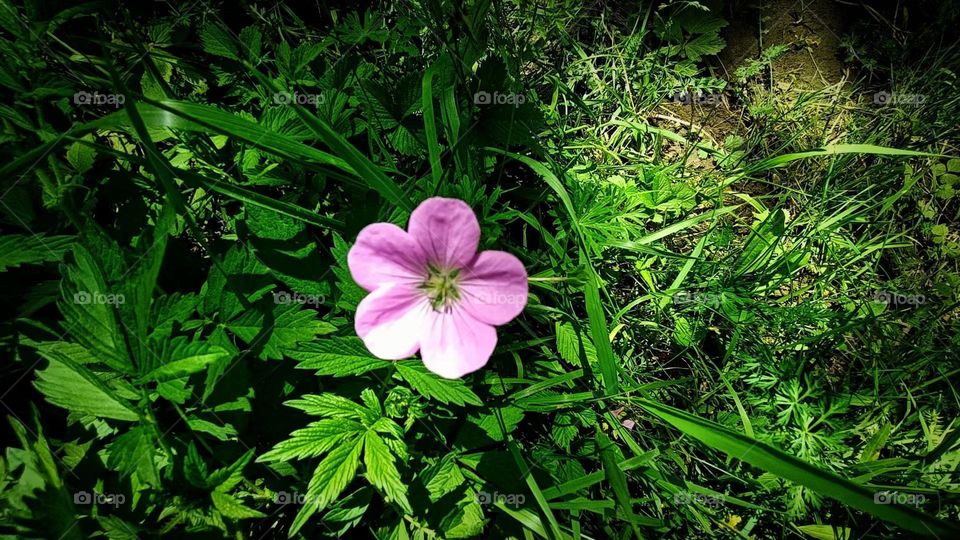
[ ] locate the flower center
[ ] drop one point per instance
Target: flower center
(442, 287)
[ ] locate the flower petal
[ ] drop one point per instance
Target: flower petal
(453, 343)
(390, 319)
(385, 253)
(494, 289)
(447, 231)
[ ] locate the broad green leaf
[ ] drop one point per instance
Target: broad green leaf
(181, 358)
(89, 308)
(132, 453)
(79, 390)
(17, 249)
(445, 477)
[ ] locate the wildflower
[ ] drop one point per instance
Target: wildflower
(431, 291)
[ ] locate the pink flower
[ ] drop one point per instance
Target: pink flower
(431, 291)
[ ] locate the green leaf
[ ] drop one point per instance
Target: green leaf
(382, 470)
(568, 345)
(336, 356)
(132, 453)
(81, 156)
(221, 432)
(79, 390)
(330, 478)
(231, 508)
(683, 332)
(829, 150)
(611, 458)
(287, 325)
(314, 440)
(350, 293)
(599, 333)
(245, 282)
(826, 532)
(89, 308)
(327, 405)
(217, 41)
(445, 477)
(181, 358)
(432, 386)
(763, 239)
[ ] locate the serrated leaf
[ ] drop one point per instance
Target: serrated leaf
(227, 478)
(432, 386)
(382, 470)
(232, 508)
(327, 405)
(568, 345)
(181, 358)
(81, 156)
(289, 325)
(132, 452)
(89, 309)
(446, 478)
(221, 433)
(336, 356)
(217, 41)
(330, 478)
(78, 390)
(314, 440)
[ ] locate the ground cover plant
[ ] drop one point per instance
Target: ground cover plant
(652, 269)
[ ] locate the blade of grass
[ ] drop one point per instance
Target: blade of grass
(430, 126)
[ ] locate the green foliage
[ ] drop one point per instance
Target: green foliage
(740, 323)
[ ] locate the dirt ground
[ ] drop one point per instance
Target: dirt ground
(812, 30)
